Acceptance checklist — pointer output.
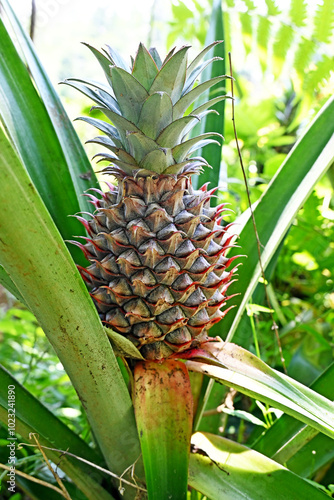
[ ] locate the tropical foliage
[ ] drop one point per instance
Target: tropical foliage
(256, 429)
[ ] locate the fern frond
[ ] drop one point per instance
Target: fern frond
(250, 4)
(323, 21)
(282, 44)
(263, 36)
(298, 12)
(247, 30)
(318, 76)
(273, 10)
(303, 55)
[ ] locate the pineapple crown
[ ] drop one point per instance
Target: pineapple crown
(148, 107)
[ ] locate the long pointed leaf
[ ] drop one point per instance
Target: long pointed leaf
(33, 253)
(144, 67)
(32, 416)
(29, 126)
(172, 75)
(130, 94)
(213, 122)
(286, 436)
(7, 282)
(220, 468)
(74, 153)
(240, 369)
(274, 213)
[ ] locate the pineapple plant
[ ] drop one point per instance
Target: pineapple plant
(40, 271)
(158, 269)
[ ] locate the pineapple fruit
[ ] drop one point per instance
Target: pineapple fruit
(157, 250)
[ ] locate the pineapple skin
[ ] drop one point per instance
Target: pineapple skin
(158, 269)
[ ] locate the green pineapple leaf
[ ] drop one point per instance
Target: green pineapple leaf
(155, 56)
(120, 153)
(235, 367)
(144, 67)
(156, 114)
(31, 416)
(303, 167)
(122, 346)
(98, 96)
(182, 105)
(200, 56)
(157, 161)
(221, 468)
(104, 61)
(61, 304)
(287, 436)
(130, 94)
(172, 75)
(140, 145)
(105, 127)
(172, 134)
(188, 147)
(123, 125)
(116, 58)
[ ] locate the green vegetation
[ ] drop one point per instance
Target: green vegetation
(258, 432)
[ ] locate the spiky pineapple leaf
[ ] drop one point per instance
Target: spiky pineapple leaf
(105, 127)
(144, 67)
(213, 122)
(155, 56)
(158, 161)
(200, 56)
(172, 75)
(104, 62)
(123, 125)
(120, 153)
(130, 94)
(156, 114)
(116, 58)
(172, 134)
(235, 367)
(221, 468)
(99, 97)
(206, 105)
(280, 439)
(182, 150)
(127, 167)
(196, 72)
(140, 145)
(182, 105)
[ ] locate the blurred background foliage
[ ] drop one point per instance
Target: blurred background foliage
(282, 54)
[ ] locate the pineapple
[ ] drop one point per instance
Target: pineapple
(157, 250)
